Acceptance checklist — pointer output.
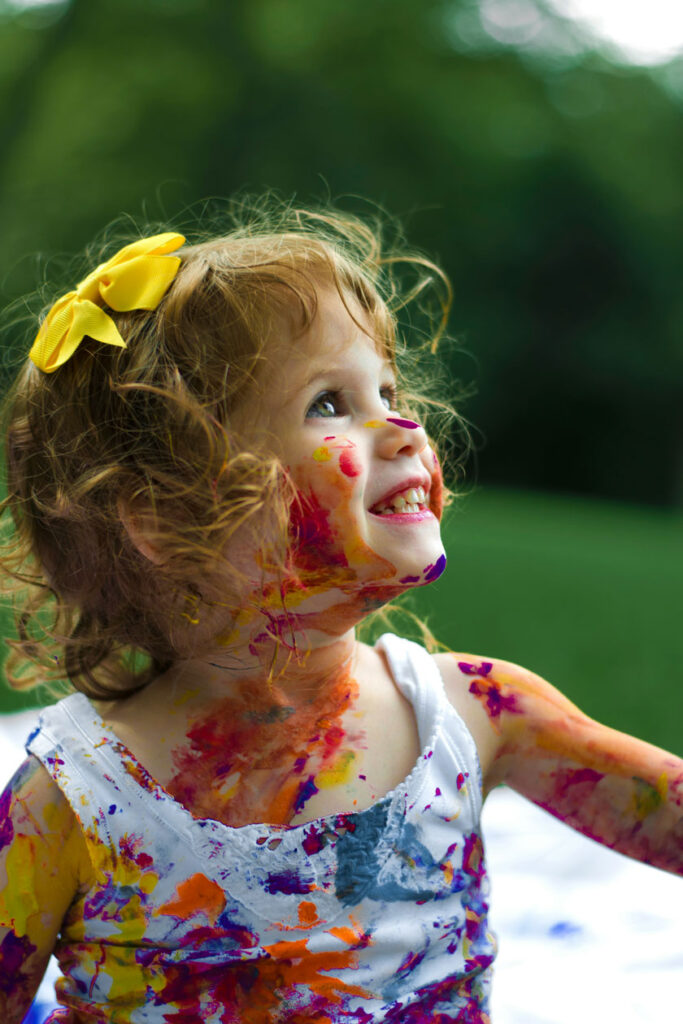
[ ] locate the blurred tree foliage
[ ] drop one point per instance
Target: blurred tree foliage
(548, 186)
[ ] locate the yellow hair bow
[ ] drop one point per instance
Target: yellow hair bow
(136, 277)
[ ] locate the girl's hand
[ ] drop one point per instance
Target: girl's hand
(43, 863)
(612, 787)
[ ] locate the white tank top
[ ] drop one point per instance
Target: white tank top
(379, 915)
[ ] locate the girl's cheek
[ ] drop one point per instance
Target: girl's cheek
(331, 471)
(436, 492)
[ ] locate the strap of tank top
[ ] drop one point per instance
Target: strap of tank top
(418, 679)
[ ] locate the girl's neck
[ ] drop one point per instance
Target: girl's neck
(268, 674)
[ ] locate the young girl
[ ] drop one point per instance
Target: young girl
(243, 813)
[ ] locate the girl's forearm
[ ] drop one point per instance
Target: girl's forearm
(619, 790)
(624, 793)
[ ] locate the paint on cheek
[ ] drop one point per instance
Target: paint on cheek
(348, 464)
(436, 490)
(322, 454)
(313, 539)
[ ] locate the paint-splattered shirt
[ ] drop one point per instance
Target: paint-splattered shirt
(379, 915)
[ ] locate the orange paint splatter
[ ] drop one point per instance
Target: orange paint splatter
(308, 915)
(197, 895)
(295, 964)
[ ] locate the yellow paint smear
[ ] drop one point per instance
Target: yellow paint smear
(339, 774)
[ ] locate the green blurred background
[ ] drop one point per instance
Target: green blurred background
(537, 165)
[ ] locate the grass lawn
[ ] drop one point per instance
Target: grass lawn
(587, 594)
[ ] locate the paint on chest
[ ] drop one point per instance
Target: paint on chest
(263, 764)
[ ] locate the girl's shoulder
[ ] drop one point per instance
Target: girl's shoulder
(505, 706)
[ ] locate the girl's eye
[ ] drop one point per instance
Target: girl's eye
(390, 392)
(331, 403)
(325, 405)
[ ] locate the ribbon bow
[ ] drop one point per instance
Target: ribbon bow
(136, 277)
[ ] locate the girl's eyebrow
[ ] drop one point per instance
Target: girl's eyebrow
(330, 372)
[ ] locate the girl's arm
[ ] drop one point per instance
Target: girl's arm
(43, 863)
(612, 787)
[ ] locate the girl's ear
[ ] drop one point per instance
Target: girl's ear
(140, 530)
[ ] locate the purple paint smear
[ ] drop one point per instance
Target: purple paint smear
(408, 424)
(496, 702)
(6, 826)
(307, 789)
(287, 882)
(432, 572)
(475, 670)
(14, 951)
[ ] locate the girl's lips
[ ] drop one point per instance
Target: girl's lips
(405, 517)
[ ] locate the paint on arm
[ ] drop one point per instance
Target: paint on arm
(612, 787)
(42, 859)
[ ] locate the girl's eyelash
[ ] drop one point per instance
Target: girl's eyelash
(331, 395)
(390, 390)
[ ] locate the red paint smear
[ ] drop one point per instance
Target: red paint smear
(129, 846)
(313, 544)
(473, 856)
(348, 464)
(240, 735)
(569, 778)
(256, 992)
(436, 490)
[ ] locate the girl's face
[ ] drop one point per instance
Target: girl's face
(328, 409)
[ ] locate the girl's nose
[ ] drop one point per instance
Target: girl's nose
(398, 436)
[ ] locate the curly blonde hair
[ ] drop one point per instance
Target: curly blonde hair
(147, 429)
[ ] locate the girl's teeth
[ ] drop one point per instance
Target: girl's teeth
(411, 500)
